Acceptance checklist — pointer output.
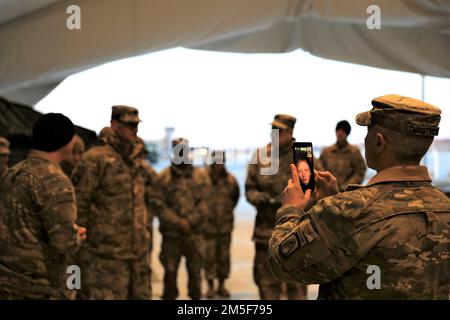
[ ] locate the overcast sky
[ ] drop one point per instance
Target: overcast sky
(226, 100)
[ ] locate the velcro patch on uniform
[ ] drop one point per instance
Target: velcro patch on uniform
(289, 245)
(64, 196)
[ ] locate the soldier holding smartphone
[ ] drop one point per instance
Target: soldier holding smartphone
(398, 223)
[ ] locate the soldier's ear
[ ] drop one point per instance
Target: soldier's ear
(380, 144)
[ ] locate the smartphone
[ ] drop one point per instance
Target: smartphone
(304, 161)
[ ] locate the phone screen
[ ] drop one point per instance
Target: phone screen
(304, 161)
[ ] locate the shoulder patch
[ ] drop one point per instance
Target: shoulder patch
(289, 245)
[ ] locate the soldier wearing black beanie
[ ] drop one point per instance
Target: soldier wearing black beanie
(38, 200)
(51, 132)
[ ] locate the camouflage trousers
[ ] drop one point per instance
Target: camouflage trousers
(14, 294)
(172, 249)
(269, 287)
(111, 279)
(19, 286)
(217, 256)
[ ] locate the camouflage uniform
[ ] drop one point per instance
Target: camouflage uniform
(150, 179)
(264, 192)
(78, 150)
(4, 152)
(219, 224)
(38, 212)
(110, 192)
(106, 135)
(345, 163)
(183, 191)
(398, 222)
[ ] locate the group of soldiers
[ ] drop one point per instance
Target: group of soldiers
(264, 191)
(64, 205)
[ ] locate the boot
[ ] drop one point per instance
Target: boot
(210, 292)
(222, 291)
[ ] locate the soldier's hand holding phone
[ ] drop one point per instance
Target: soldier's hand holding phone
(293, 194)
(326, 185)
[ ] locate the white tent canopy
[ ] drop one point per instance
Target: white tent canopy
(38, 51)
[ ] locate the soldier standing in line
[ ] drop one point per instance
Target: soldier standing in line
(342, 159)
(182, 210)
(38, 214)
(264, 192)
(219, 224)
(110, 192)
(4, 155)
(389, 239)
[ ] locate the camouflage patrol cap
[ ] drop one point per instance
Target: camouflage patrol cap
(125, 114)
(284, 121)
(178, 141)
(402, 114)
(4, 146)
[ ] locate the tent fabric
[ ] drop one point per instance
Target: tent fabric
(38, 51)
(16, 124)
(32, 94)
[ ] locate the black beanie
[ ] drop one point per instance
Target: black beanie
(344, 125)
(51, 132)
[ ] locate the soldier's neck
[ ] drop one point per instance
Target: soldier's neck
(54, 157)
(122, 146)
(282, 149)
(342, 143)
(182, 166)
(388, 164)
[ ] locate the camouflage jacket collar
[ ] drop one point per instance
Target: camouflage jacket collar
(183, 170)
(397, 174)
(43, 156)
(336, 147)
(216, 175)
(281, 151)
(122, 147)
(401, 173)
